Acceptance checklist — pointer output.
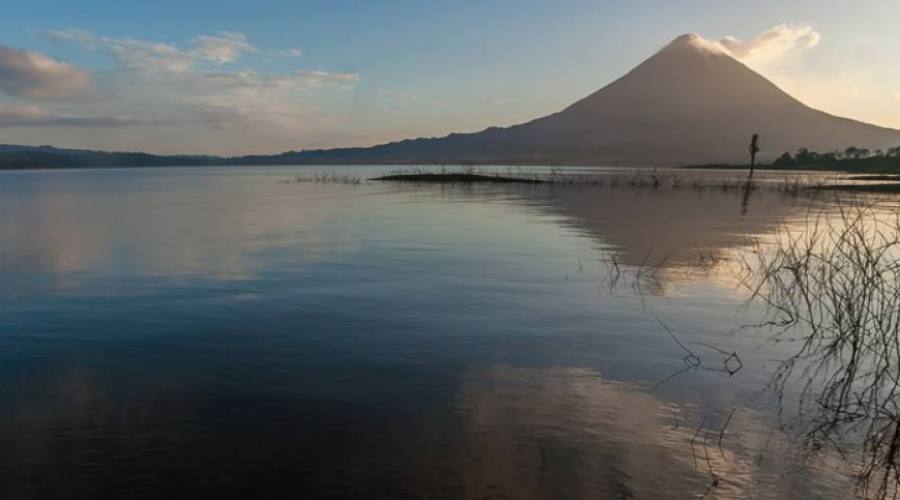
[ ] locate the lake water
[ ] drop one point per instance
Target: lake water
(222, 333)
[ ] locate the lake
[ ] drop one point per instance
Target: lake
(229, 333)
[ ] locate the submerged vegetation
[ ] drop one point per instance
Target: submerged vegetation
(832, 289)
(635, 179)
(651, 179)
(882, 187)
(329, 178)
(459, 178)
(638, 179)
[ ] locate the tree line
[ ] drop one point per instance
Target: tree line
(852, 157)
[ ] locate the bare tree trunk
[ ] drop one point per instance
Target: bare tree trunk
(754, 148)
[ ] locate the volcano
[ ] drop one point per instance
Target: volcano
(691, 102)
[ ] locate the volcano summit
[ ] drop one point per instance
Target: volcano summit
(691, 102)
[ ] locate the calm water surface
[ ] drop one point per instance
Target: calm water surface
(221, 333)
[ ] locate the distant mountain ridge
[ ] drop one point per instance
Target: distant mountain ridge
(689, 103)
(17, 156)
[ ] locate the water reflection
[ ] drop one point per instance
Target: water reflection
(219, 333)
(683, 234)
(566, 432)
(171, 226)
(680, 232)
(504, 432)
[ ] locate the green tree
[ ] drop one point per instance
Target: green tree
(856, 153)
(785, 160)
(805, 156)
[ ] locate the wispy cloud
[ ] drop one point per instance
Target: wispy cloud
(773, 44)
(225, 47)
(36, 76)
(781, 55)
(33, 116)
(206, 83)
(263, 100)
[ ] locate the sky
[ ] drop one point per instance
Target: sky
(226, 77)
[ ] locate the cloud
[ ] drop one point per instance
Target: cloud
(130, 53)
(223, 48)
(317, 79)
(263, 100)
(36, 76)
(851, 88)
(205, 88)
(160, 59)
(32, 116)
(773, 44)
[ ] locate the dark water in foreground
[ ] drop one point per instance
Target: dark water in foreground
(217, 333)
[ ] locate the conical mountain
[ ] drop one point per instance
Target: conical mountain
(691, 102)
